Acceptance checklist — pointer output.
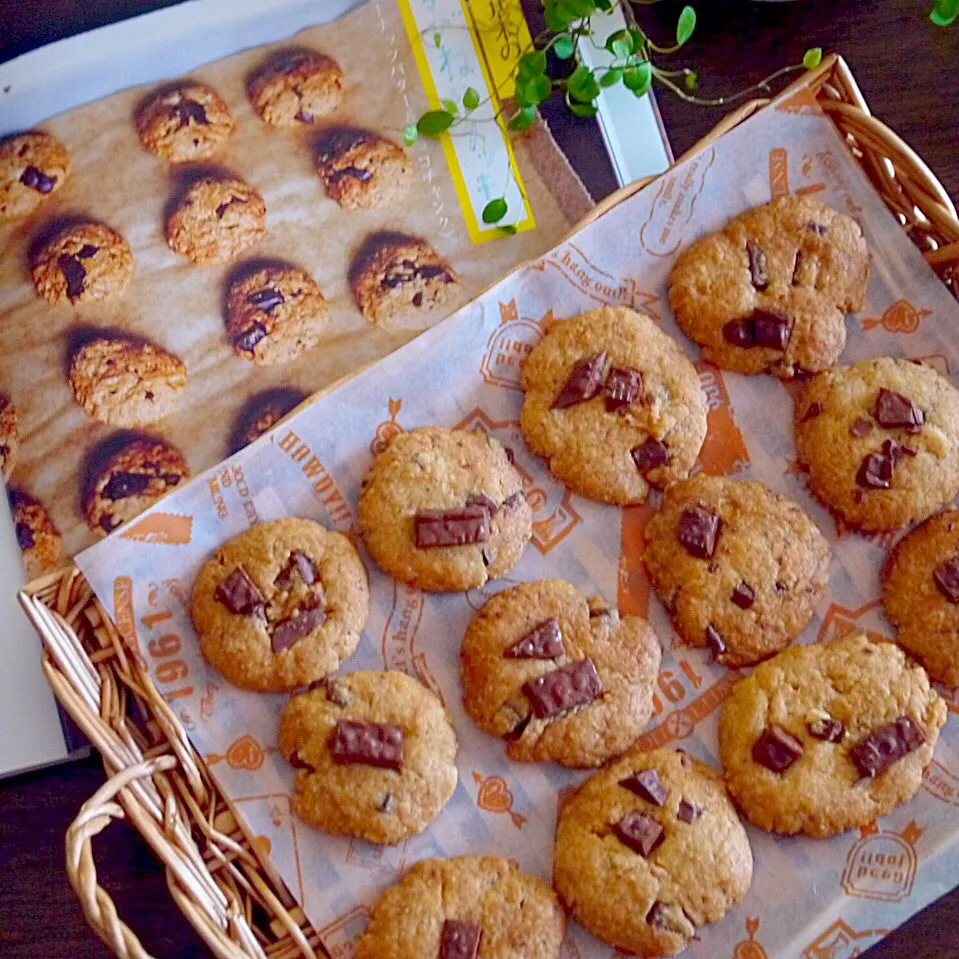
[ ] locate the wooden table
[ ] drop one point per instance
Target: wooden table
(907, 70)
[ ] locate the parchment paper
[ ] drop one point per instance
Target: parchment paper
(180, 306)
(815, 899)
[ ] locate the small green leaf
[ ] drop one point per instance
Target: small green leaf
(620, 44)
(944, 12)
(639, 41)
(450, 106)
(812, 58)
(437, 40)
(564, 46)
(638, 78)
(685, 25)
(532, 64)
(604, 5)
(508, 229)
(522, 120)
(471, 99)
(557, 17)
(410, 135)
(582, 85)
(495, 210)
(583, 109)
(532, 92)
(692, 79)
(580, 8)
(434, 123)
(611, 77)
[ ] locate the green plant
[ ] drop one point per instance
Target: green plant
(635, 63)
(944, 12)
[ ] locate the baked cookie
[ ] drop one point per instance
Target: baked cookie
(82, 263)
(613, 404)
(216, 220)
(9, 437)
(828, 737)
(768, 293)
(400, 275)
(376, 753)
(261, 413)
(471, 907)
(880, 439)
(32, 167)
(648, 850)
(559, 677)
(281, 605)
(295, 87)
(275, 314)
(184, 123)
(41, 547)
(130, 480)
(740, 569)
(121, 382)
(920, 592)
(362, 170)
(444, 509)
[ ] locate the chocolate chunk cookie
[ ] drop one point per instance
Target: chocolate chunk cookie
(376, 753)
(920, 591)
(82, 263)
(126, 383)
(614, 404)
(881, 441)
(296, 87)
(41, 547)
(559, 677)
(131, 480)
(829, 737)
(9, 437)
(275, 314)
(471, 907)
(32, 167)
(768, 293)
(444, 509)
(401, 275)
(650, 849)
(362, 170)
(281, 605)
(261, 413)
(216, 220)
(184, 123)
(740, 569)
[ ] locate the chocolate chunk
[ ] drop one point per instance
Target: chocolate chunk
(88, 251)
(622, 388)
(772, 329)
(776, 749)
(418, 298)
(698, 531)
(797, 267)
(289, 631)
(513, 499)
(122, 485)
(267, 299)
(895, 411)
(304, 116)
(223, 207)
(368, 744)
(819, 229)
(460, 940)
(25, 537)
(650, 455)
(481, 499)
(407, 271)
(744, 595)
(885, 745)
(639, 833)
(896, 451)
(488, 555)
(740, 333)
(239, 594)
(875, 471)
(517, 731)
(688, 812)
(73, 272)
(715, 642)
(946, 577)
(389, 801)
(758, 272)
(510, 455)
(297, 763)
(451, 527)
(811, 412)
(351, 172)
(250, 337)
(302, 564)
(37, 180)
(779, 586)
(647, 785)
(826, 728)
(574, 684)
(596, 613)
(108, 524)
(189, 111)
(584, 382)
(543, 642)
(861, 427)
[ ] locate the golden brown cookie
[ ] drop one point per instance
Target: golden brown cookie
(184, 123)
(82, 263)
(650, 849)
(362, 170)
(32, 167)
(296, 87)
(559, 677)
(471, 907)
(740, 569)
(9, 437)
(444, 509)
(41, 547)
(880, 439)
(613, 404)
(376, 753)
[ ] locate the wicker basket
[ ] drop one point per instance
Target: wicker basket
(228, 892)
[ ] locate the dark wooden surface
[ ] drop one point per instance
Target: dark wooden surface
(908, 71)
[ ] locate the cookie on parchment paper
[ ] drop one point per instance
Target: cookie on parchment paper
(184, 122)
(281, 605)
(739, 568)
(33, 166)
(650, 849)
(559, 677)
(9, 437)
(296, 87)
(376, 754)
(362, 170)
(768, 292)
(41, 547)
(261, 412)
(880, 439)
(613, 404)
(828, 737)
(470, 907)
